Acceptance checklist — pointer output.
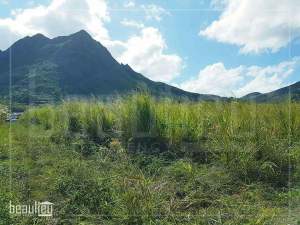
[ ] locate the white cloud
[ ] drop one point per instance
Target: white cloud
(129, 4)
(154, 12)
(132, 23)
(266, 79)
(239, 81)
(215, 79)
(60, 17)
(145, 53)
(256, 26)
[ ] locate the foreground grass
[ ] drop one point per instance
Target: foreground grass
(139, 161)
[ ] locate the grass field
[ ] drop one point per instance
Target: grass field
(138, 160)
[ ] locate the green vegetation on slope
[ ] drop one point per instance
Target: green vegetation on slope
(141, 161)
(68, 66)
(283, 94)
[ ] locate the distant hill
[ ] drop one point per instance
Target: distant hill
(282, 94)
(47, 70)
(251, 96)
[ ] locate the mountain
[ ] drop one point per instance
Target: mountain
(282, 94)
(251, 96)
(46, 70)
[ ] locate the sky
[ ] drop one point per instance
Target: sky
(222, 47)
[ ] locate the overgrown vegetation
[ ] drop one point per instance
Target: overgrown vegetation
(3, 113)
(142, 161)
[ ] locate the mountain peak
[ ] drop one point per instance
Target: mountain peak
(81, 34)
(30, 42)
(74, 65)
(39, 36)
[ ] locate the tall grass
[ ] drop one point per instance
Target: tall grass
(254, 141)
(226, 163)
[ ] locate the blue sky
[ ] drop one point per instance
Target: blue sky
(223, 47)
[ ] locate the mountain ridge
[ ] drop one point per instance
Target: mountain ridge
(47, 69)
(51, 69)
(291, 92)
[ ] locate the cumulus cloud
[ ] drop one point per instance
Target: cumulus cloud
(254, 25)
(242, 80)
(145, 53)
(215, 79)
(60, 17)
(266, 79)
